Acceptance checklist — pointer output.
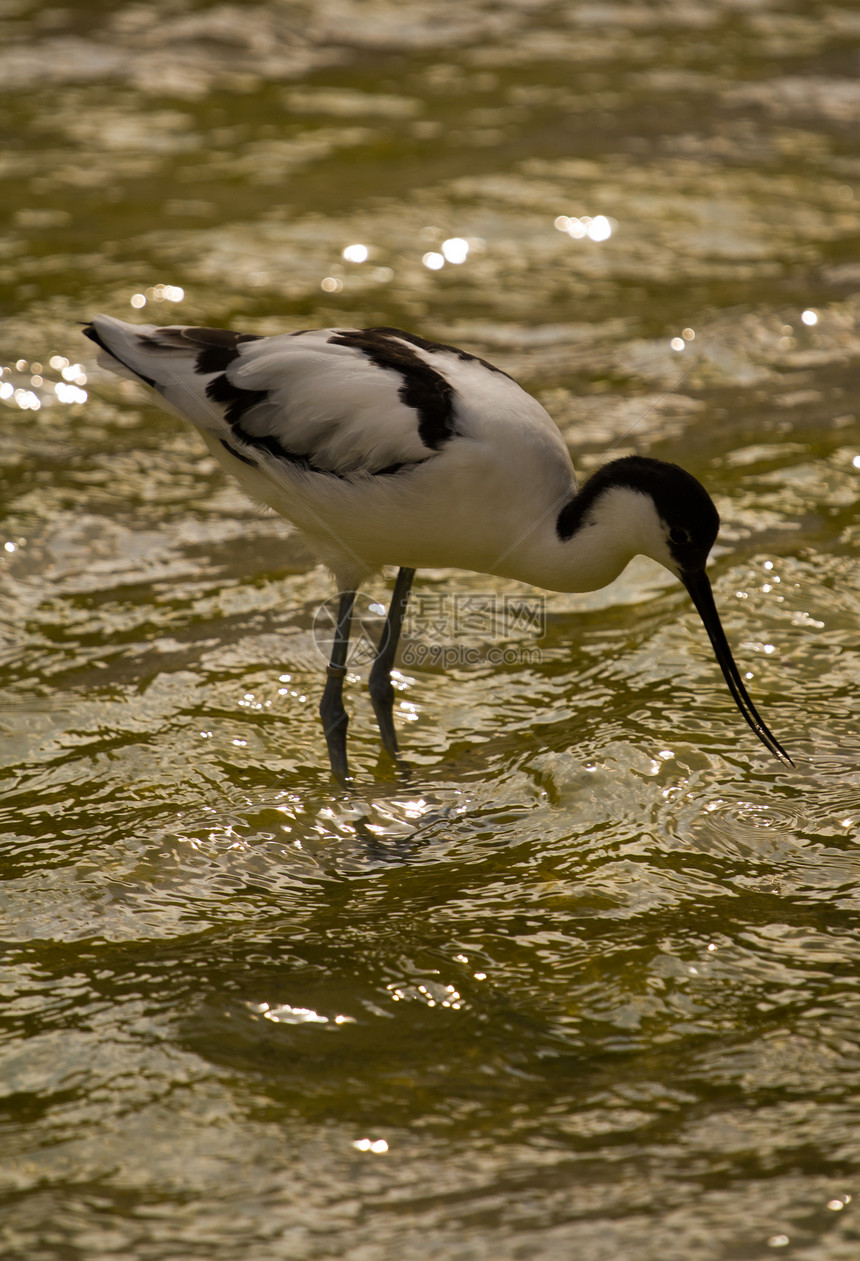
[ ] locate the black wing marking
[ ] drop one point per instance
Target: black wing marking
(433, 348)
(424, 389)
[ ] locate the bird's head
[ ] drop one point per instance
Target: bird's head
(668, 515)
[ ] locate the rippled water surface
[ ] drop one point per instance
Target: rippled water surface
(584, 984)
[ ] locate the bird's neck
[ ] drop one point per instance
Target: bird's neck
(588, 543)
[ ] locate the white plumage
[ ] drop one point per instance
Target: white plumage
(387, 449)
(342, 411)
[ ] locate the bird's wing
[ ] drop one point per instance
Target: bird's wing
(339, 401)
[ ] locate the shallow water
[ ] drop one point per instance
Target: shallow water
(585, 983)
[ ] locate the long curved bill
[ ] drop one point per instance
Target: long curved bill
(699, 588)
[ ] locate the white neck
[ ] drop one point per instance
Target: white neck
(621, 524)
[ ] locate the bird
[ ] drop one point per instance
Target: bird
(385, 449)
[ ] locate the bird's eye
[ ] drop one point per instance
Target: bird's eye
(678, 535)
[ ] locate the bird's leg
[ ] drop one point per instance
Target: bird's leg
(379, 683)
(333, 715)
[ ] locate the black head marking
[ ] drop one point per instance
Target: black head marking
(682, 503)
(689, 514)
(423, 389)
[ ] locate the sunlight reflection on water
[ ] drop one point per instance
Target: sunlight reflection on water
(583, 982)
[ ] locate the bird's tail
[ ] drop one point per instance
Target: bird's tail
(122, 348)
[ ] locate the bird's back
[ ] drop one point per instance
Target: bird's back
(375, 441)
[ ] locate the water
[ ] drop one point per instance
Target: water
(585, 984)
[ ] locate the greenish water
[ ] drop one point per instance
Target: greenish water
(586, 984)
